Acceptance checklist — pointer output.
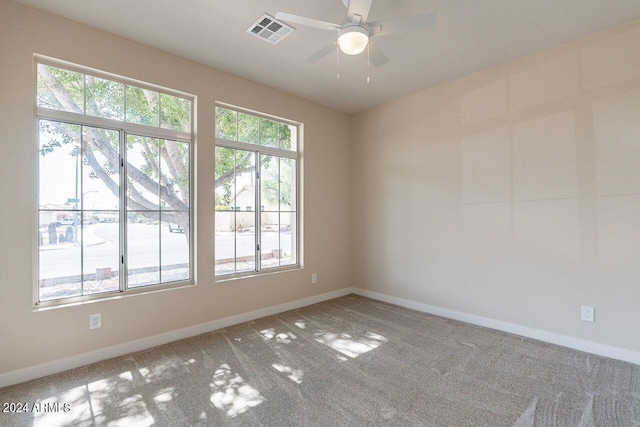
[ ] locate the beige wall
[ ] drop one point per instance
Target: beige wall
(28, 338)
(512, 194)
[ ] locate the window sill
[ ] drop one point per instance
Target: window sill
(254, 274)
(90, 299)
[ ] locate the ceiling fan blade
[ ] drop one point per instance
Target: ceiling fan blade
(361, 8)
(309, 22)
(376, 55)
(321, 54)
(402, 25)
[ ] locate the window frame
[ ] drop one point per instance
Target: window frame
(259, 150)
(124, 129)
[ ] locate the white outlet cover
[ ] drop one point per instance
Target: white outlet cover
(314, 278)
(95, 321)
(588, 313)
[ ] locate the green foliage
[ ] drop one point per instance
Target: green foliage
(225, 161)
(225, 166)
(234, 126)
(105, 98)
(142, 106)
(269, 181)
(284, 136)
(160, 164)
(278, 174)
(59, 134)
(278, 177)
(163, 162)
(231, 164)
(226, 124)
(248, 128)
(287, 179)
(269, 133)
(175, 113)
(72, 82)
(226, 195)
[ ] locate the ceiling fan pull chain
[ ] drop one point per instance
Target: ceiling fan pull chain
(337, 62)
(368, 62)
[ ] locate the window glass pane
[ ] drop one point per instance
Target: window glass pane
(269, 183)
(268, 133)
(59, 266)
(174, 242)
(175, 113)
(225, 178)
(235, 194)
(226, 124)
(225, 242)
(142, 173)
(79, 165)
(284, 136)
(142, 106)
(245, 241)
(269, 240)
(59, 166)
(245, 190)
(143, 248)
(101, 252)
(248, 127)
(288, 238)
(105, 98)
(174, 175)
(287, 184)
(60, 89)
(100, 171)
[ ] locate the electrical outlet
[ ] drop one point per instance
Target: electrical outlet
(95, 320)
(588, 314)
(314, 278)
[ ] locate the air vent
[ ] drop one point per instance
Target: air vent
(269, 29)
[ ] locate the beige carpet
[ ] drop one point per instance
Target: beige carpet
(351, 361)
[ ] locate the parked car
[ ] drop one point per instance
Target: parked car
(68, 221)
(175, 228)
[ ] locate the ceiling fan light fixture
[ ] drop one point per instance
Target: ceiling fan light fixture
(353, 39)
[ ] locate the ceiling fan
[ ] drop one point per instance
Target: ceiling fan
(354, 32)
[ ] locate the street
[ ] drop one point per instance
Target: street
(102, 249)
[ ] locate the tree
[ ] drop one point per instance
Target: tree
(162, 166)
(236, 126)
(159, 166)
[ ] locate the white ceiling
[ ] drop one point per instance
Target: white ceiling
(471, 36)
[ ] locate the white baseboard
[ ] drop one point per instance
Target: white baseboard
(538, 334)
(53, 367)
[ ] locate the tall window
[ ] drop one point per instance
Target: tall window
(114, 197)
(256, 193)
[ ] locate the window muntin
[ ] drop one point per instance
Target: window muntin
(157, 206)
(256, 193)
(278, 211)
(235, 217)
(105, 98)
(233, 125)
(114, 201)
